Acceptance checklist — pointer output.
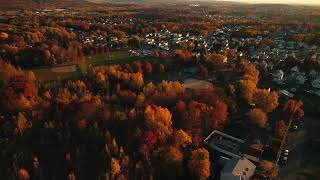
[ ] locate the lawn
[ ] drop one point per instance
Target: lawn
(115, 57)
(48, 74)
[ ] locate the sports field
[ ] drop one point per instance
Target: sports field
(48, 74)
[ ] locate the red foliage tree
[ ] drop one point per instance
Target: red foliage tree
(138, 67)
(181, 106)
(148, 68)
(220, 113)
(149, 138)
(294, 106)
(280, 128)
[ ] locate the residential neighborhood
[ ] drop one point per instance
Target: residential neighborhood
(120, 90)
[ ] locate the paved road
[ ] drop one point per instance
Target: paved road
(298, 145)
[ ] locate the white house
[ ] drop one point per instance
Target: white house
(278, 75)
(238, 169)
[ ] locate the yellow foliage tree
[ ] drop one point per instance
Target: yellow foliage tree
(136, 80)
(140, 99)
(265, 99)
(248, 82)
(159, 120)
(267, 166)
(22, 123)
(64, 97)
(199, 163)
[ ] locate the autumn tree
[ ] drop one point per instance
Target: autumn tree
(140, 99)
(4, 36)
(170, 162)
(216, 59)
(136, 80)
(204, 72)
(199, 163)
(161, 69)
(158, 119)
(181, 106)
(23, 174)
(248, 82)
(267, 166)
(22, 124)
(164, 89)
(280, 128)
(148, 68)
(265, 99)
(205, 116)
(115, 167)
(181, 138)
(258, 117)
(294, 106)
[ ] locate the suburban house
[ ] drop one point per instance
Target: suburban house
(316, 83)
(238, 169)
(277, 76)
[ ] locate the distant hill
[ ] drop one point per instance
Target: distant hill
(107, 1)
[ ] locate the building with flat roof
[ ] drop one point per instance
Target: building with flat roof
(232, 147)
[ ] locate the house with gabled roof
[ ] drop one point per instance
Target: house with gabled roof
(238, 169)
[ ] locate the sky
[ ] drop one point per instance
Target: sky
(280, 1)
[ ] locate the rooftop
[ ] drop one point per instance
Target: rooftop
(239, 167)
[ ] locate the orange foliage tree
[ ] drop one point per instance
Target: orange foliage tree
(265, 99)
(199, 163)
(216, 59)
(181, 138)
(158, 119)
(248, 83)
(258, 117)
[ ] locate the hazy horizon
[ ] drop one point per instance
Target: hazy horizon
(310, 2)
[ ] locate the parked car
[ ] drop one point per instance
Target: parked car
(284, 160)
(284, 157)
(295, 127)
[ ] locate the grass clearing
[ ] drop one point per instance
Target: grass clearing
(115, 57)
(47, 74)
